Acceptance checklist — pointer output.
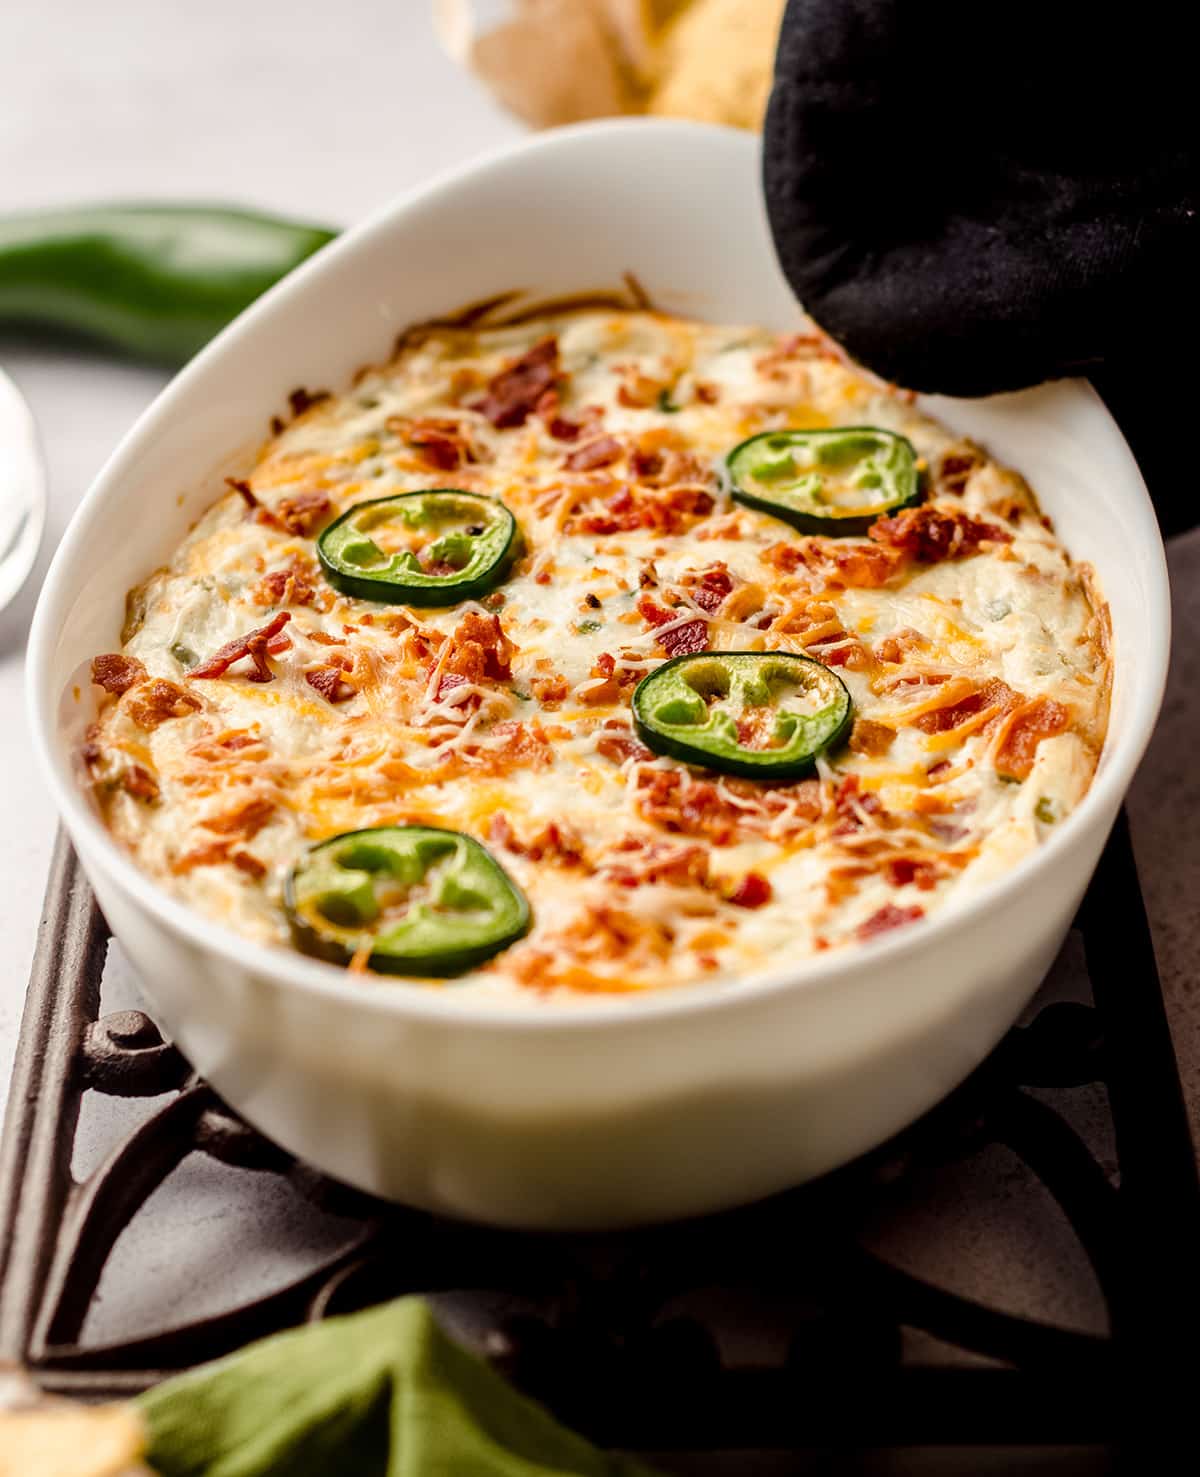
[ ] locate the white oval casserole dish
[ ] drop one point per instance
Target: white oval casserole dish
(620, 1110)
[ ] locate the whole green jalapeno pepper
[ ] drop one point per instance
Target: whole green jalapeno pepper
(155, 281)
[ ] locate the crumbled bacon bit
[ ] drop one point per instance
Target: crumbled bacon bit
(954, 469)
(794, 349)
(682, 640)
(1028, 726)
(598, 935)
(558, 426)
(837, 562)
(868, 737)
(856, 566)
(555, 841)
(500, 831)
(479, 650)
(667, 510)
(654, 614)
(292, 585)
(841, 650)
(550, 690)
(253, 645)
(244, 821)
(852, 804)
(301, 400)
(660, 465)
(139, 783)
(1008, 508)
(91, 752)
(886, 918)
(442, 442)
(604, 682)
(116, 673)
(751, 891)
(244, 861)
(304, 513)
(994, 694)
(707, 393)
(601, 451)
(646, 462)
(638, 391)
(672, 798)
(514, 393)
(895, 648)
(637, 860)
(930, 535)
(756, 729)
(524, 745)
(618, 743)
(709, 588)
(329, 682)
(439, 452)
(211, 854)
(685, 640)
(903, 871)
(155, 702)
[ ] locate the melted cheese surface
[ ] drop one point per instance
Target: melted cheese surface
(979, 680)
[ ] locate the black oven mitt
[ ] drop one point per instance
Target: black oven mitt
(974, 198)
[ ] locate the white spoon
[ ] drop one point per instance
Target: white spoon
(22, 491)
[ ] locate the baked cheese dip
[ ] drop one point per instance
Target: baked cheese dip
(601, 652)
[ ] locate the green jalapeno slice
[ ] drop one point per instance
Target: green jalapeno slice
(834, 482)
(764, 715)
(420, 548)
(425, 901)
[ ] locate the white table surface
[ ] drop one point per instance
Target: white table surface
(326, 112)
(320, 111)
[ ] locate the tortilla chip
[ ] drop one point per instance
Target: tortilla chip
(44, 1436)
(553, 61)
(72, 1441)
(717, 62)
(559, 61)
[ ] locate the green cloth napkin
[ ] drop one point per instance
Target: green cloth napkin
(378, 1394)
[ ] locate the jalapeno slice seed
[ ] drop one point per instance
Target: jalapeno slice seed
(764, 715)
(834, 482)
(435, 547)
(424, 900)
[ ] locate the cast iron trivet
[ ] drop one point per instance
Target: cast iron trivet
(775, 1326)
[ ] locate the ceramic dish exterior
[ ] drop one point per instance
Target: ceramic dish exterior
(626, 1110)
